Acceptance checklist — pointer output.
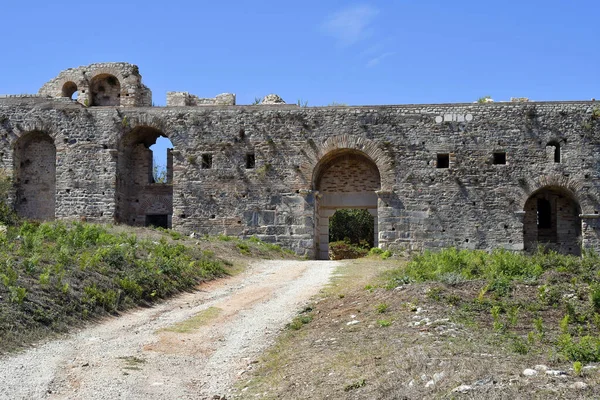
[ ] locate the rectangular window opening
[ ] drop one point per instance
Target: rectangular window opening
(443, 160)
(500, 158)
(250, 161)
(206, 161)
(158, 221)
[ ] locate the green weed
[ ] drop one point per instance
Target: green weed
(382, 307)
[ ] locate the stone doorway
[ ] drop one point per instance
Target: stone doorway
(139, 195)
(343, 179)
(552, 220)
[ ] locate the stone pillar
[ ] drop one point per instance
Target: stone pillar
(373, 212)
(384, 220)
(323, 229)
(519, 245)
(590, 231)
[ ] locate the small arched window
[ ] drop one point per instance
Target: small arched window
(69, 89)
(553, 149)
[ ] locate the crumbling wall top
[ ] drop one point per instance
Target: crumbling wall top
(101, 84)
(185, 99)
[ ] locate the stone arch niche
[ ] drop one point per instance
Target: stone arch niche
(69, 89)
(139, 200)
(105, 90)
(552, 219)
(343, 178)
(35, 176)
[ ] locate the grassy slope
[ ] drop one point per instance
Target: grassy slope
(441, 321)
(54, 276)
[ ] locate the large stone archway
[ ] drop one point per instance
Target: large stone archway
(140, 200)
(552, 219)
(344, 178)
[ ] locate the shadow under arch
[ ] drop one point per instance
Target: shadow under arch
(105, 90)
(552, 219)
(35, 176)
(343, 179)
(140, 199)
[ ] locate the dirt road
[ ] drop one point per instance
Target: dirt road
(141, 356)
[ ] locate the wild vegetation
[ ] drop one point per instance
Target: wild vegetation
(351, 234)
(54, 275)
(447, 324)
(546, 302)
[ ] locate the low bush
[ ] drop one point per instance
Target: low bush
(499, 267)
(342, 250)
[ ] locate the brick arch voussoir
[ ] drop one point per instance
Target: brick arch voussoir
(90, 75)
(41, 127)
(314, 153)
(79, 81)
(571, 185)
(149, 121)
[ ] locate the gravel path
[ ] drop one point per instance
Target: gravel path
(130, 357)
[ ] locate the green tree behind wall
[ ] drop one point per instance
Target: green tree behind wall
(355, 226)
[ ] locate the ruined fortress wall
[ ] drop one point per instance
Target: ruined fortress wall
(476, 202)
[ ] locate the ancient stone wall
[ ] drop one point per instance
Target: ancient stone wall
(449, 175)
(35, 176)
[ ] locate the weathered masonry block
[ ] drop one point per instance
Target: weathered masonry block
(510, 175)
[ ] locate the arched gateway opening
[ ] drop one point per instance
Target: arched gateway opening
(144, 192)
(344, 179)
(552, 220)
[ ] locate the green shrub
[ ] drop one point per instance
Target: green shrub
(587, 349)
(595, 297)
(343, 250)
(299, 321)
(382, 307)
(519, 346)
(375, 251)
(243, 248)
(353, 226)
(577, 367)
(500, 268)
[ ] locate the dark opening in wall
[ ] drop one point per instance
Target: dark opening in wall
(556, 146)
(250, 161)
(159, 221)
(544, 214)
(105, 90)
(206, 161)
(500, 158)
(69, 90)
(443, 160)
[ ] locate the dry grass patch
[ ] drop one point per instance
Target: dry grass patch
(204, 317)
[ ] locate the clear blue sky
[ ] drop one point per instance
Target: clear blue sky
(378, 52)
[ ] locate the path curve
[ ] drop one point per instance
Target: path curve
(130, 357)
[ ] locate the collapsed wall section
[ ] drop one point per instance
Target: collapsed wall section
(184, 99)
(102, 84)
